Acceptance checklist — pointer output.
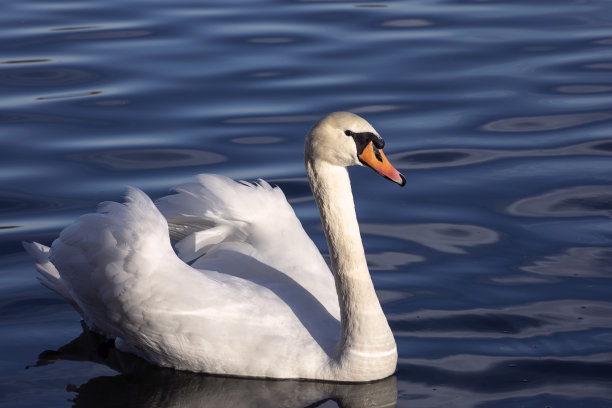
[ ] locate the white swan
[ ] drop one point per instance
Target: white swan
(258, 299)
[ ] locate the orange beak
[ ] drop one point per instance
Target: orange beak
(376, 159)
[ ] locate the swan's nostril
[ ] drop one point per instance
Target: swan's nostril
(377, 154)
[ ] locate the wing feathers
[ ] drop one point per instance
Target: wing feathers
(259, 273)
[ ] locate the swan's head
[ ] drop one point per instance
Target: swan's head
(345, 139)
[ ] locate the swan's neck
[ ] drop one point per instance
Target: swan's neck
(366, 343)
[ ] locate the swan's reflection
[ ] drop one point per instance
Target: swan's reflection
(143, 385)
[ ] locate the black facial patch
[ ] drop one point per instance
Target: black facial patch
(362, 139)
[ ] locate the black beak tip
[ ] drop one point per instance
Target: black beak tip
(403, 182)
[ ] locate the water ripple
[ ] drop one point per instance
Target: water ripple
(599, 66)
(75, 28)
(69, 96)
(26, 61)
(408, 23)
(141, 159)
(12, 202)
(273, 119)
(504, 382)
(452, 157)
(518, 322)
(50, 76)
(271, 40)
(390, 261)
(443, 237)
(578, 201)
(545, 123)
(31, 118)
(108, 34)
(584, 89)
(257, 140)
(575, 262)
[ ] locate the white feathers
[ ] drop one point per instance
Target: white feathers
(219, 209)
(258, 274)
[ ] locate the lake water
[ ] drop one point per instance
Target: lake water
(493, 264)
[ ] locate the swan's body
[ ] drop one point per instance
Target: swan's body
(258, 299)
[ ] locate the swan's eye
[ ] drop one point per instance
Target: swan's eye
(348, 133)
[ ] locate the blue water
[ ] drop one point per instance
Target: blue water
(493, 264)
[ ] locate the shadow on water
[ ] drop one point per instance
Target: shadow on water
(141, 384)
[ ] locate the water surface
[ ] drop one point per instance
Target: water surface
(492, 264)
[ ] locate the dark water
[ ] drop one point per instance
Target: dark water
(493, 265)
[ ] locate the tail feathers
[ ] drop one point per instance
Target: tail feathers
(49, 276)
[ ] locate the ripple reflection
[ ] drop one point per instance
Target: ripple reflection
(584, 89)
(19, 117)
(502, 382)
(51, 76)
(273, 119)
(574, 262)
(257, 140)
(408, 23)
(443, 237)
(109, 35)
(579, 201)
(144, 159)
(75, 28)
(271, 40)
(69, 96)
(390, 261)
(26, 61)
(452, 157)
(12, 202)
(599, 66)
(523, 321)
(543, 123)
